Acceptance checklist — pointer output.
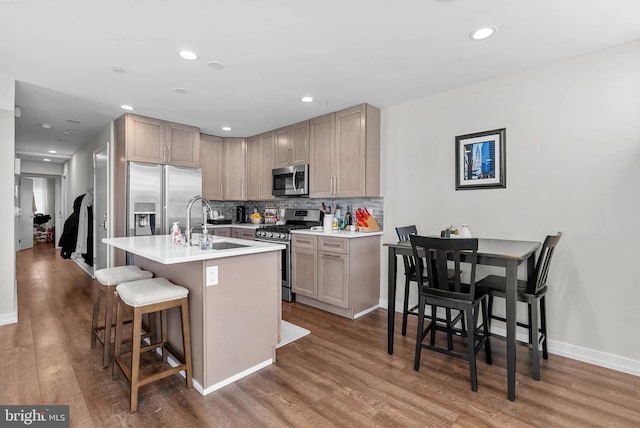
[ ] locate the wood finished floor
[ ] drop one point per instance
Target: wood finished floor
(339, 375)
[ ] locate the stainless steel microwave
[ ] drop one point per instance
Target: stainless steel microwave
(291, 181)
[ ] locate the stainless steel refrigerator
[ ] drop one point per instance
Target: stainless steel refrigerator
(159, 194)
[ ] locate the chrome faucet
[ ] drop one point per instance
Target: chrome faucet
(193, 200)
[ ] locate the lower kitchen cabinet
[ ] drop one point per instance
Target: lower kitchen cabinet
(222, 231)
(242, 233)
(338, 275)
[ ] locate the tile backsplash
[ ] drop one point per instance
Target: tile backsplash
(374, 205)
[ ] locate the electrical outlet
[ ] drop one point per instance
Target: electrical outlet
(212, 275)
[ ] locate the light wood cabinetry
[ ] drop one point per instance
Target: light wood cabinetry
(345, 153)
(235, 166)
(304, 265)
(242, 233)
(212, 163)
(156, 141)
(291, 145)
(259, 166)
(222, 231)
(338, 275)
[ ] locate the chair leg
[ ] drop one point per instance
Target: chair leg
(485, 331)
(416, 359)
(471, 354)
(535, 345)
(135, 357)
(543, 326)
(449, 330)
(434, 311)
(118, 339)
(489, 311)
(108, 312)
(96, 314)
(405, 307)
(186, 341)
(163, 326)
(529, 323)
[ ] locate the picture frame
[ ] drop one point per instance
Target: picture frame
(481, 160)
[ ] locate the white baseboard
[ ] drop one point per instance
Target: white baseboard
(579, 353)
(10, 318)
(366, 311)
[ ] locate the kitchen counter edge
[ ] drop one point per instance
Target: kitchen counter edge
(337, 233)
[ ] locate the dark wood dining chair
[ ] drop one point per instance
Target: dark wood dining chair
(409, 276)
(441, 290)
(532, 292)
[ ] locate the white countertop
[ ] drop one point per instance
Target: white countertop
(337, 233)
(159, 248)
(235, 225)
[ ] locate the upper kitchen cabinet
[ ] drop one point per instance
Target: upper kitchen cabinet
(345, 153)
(212, 162)
(235, 167)
(259, 166)
(291, 145)
(156, 141)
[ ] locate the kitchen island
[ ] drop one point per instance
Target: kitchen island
(234, 301)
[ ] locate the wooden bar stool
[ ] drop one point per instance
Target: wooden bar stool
(107, 280)
(144, 297)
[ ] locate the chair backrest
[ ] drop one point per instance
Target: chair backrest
(437, 253)
(542, 265)
(403, 235)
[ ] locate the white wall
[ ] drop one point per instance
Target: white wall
(40, 168)
(8, 296)
(79, 169)
(573, 152)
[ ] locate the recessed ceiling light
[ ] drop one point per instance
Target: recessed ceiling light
(69, 131)
(226, 128)
(306, 99)
(45, 125)
(188, 55)
(180, 90)
(46, 160)
(53, 152)
(216, 65)
(117, 69)
(126, 107)
(77, 122)
(482, 33)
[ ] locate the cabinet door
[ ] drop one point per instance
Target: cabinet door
(267, 166)
(299, 142)
(333, 278)
(235, 169)
(304, 272)
(321, 138)
(281, 147)
(350, 156)
(212, 163)
(222, 231)
(145, 139)
(183, 145)
(254, 167)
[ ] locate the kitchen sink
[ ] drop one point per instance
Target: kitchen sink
(226, 245)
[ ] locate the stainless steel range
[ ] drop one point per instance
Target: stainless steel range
(294, 219)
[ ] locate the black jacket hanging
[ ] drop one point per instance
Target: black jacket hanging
(69, 236)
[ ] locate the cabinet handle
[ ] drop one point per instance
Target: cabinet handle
(169, 154)
(331, 185)
(332, 256)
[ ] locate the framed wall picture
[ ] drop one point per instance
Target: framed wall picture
(481, 161)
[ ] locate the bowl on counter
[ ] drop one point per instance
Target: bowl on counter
(257, 220)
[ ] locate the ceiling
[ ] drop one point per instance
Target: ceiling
(342, 52)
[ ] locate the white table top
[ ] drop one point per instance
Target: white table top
(159, 248)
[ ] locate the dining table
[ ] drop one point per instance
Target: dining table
(505, 253)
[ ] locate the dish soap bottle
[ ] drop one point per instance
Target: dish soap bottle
(175, 232)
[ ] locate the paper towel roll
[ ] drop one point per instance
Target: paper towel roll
(328, 223)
